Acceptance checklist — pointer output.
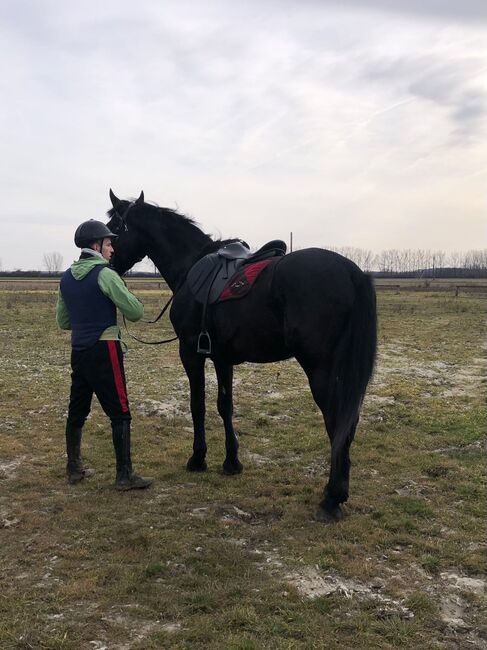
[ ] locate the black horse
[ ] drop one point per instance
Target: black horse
(312, 304)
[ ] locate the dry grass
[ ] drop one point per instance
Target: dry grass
(210, 561)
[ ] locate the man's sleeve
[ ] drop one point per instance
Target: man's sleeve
(62, 314)
(114, 288)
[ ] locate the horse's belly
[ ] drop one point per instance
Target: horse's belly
(258, 338)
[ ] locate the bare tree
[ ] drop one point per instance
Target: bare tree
(420, 262)
(455, 260)
(475, 259)
(362, 257)
(52, 262)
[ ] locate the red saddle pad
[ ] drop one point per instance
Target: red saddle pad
(241, 283)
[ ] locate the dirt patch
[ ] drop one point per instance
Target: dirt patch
(455, 606)
(457, 380)
(137, 630)
(8, 522)
(411, 488)
(377, 399)
(256, 460)
(231, 515)
(169, 409)
(317, 468)
(311, 584)
(478, 445)
(457, 595)
(9, 468)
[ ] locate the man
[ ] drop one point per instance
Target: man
(89, 294)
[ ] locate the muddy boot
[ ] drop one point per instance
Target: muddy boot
(75, 469)
(126, 478)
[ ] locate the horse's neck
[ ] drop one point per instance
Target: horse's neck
(175, 252)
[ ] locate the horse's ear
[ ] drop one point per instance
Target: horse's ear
(141, 198)
(115, 201)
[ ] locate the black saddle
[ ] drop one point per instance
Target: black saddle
(208, 276)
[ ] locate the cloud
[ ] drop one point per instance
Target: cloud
(272, 116)
(469, 11)
(455, 83)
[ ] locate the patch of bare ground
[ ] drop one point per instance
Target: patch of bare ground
(478, 445)
(457, 599)
(169, 408)
(229, 514)
(119, 621)
(460, 600)
(456, 379)
(8, 469)
(317, 468)
(7, 520)
(136, 630)
(257, 460)
(311, 584)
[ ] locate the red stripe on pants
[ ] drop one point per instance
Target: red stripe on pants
(117, 374)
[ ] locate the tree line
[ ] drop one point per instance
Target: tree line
(415, 262)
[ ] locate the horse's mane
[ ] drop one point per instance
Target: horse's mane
(168, 212)
(177, 217)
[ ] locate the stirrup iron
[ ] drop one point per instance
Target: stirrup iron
(204, 343)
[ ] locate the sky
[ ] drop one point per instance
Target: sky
(356, 123)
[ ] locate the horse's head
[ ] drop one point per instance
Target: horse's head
(129, 247)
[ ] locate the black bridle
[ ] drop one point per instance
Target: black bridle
(123, 223)
(123, 217)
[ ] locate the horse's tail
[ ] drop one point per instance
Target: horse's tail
(353, 362)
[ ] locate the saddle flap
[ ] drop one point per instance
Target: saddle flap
(200, 275)
(208, 277)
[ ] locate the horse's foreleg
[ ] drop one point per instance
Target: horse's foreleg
(195, 369)
(224, 373)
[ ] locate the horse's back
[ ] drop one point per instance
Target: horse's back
(317, 273)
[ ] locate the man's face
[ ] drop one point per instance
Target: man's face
(107, 249)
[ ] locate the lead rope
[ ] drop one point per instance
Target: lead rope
(147, 342)
(154, 321)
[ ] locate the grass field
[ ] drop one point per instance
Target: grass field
(210, 561)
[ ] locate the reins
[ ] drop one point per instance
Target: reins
(149, 322)
(148, 342)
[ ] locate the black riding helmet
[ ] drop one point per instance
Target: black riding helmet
(90, 231)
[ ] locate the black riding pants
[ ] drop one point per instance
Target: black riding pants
(98, 370)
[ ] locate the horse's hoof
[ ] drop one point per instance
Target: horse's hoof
(194, 465)
(328, 515)
(232, 468)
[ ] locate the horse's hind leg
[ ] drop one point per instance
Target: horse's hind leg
(224, 373)
(195, 369)
(336, 490)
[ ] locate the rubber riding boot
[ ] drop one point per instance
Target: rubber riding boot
(75, 469)
(126, 478)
